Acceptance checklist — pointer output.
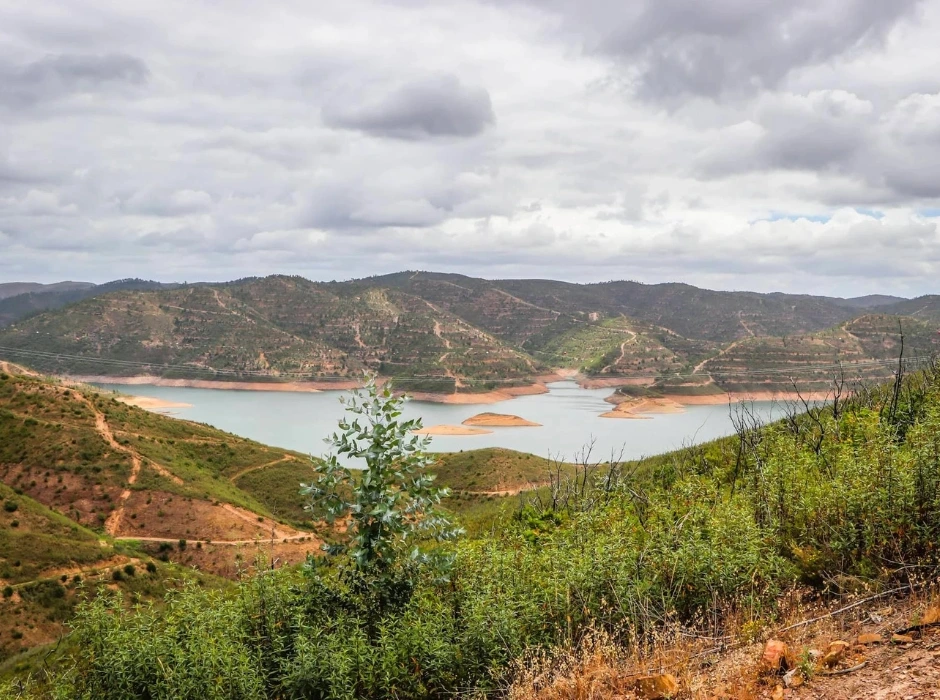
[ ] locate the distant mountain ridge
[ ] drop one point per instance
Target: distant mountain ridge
(12, 289)
(447, 332)
(37, 298)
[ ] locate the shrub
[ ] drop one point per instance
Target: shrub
(392, 504)
(10, 506)
(129, 569)
(151, 567)
(8, 591)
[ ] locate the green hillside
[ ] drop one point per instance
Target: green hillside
(446, 333)
(714, 542)
(277, 326)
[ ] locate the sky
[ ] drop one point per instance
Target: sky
(771, 145)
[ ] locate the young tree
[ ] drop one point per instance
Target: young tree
(389, 505)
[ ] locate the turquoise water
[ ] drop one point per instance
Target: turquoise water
(570, 418)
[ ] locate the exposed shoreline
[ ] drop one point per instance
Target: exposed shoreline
(148, 403)
(483, 397)
(640, 408)
(666, 403)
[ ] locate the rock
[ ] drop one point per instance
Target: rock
(793, 678)
(778, 693)
(776, 658)
(902, 639)
(834, 653)
(866, 639)
(656, 687)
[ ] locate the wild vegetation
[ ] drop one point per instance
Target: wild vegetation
(450, 333)
(841, 497)
(89, 485)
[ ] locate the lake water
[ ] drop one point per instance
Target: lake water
(570, 418)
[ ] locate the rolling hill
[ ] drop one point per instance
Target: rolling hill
(24, 300)
(448, 332)
(97, 491)
(90, 485)
(12, 289)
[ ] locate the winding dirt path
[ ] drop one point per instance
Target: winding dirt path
(515, 491)
(248, 470)
(723, 351)
(358, 337)
(623, 350)
(104, 430)
(746, 327)
(252, 519)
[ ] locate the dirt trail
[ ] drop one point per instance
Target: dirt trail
(358, 337)
(515, 491)
(248, 470)
(526, 303)
(437, 332)
(723, 351)
(11, 368)
(623, 350)
(252, 519)
(115, 562)
(224, 543)
(104, 430)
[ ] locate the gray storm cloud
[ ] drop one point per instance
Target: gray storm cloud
(433, 106)
(54, 76)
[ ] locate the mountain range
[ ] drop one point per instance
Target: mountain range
(447, 332)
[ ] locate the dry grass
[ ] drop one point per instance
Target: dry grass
(601, 669)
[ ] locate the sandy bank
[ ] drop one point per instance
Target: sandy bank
(151, 404)
(636, 408)
(502, 420)
(740, 396)
(629, 407)
(451, 430)
(211, 384)
(486, 397)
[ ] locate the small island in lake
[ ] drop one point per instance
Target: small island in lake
(500, 420)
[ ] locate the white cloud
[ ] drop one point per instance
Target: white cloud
(674, 140)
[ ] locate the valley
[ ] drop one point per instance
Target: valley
(104, 494)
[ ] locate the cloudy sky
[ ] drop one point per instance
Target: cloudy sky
(786, 145)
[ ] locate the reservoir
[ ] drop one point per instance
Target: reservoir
(569, 417)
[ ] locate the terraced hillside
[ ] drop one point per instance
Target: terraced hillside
(277, 326)
(866, 347)
(446, 333)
